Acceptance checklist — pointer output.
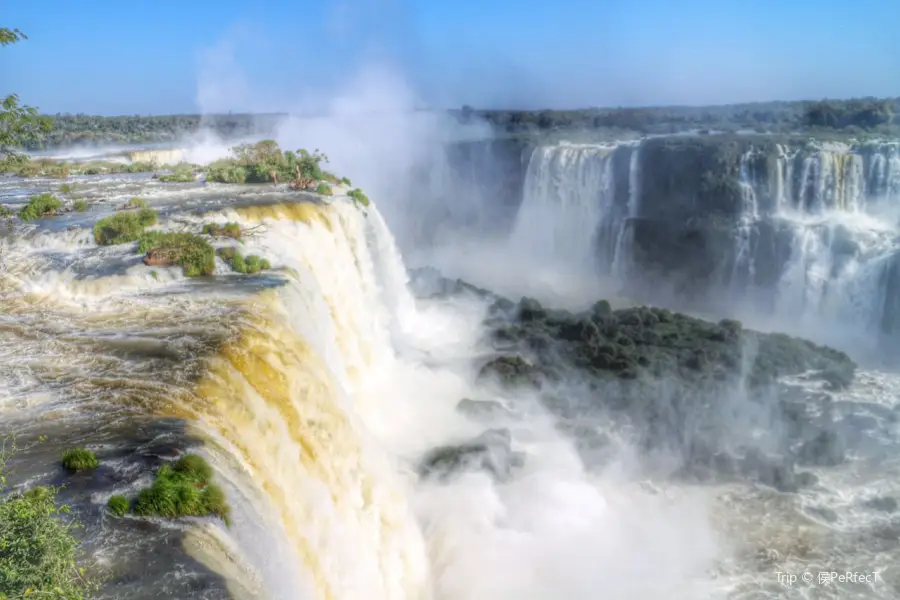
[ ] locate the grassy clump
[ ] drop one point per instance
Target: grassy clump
(80, 206)
(346, 181)
(79, 459)
(42, 205)
(180, 174)
(123, 228)
(232, 230)
(359, 196)
(239, 264)
(183, 489)
(66, 188)
(324, 189)
(118, 505)
(193, 253)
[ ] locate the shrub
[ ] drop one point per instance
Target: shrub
(225, 171)
(179, 174)
(193, 253)
(123, 228)
(256, 163)
(42, 205)
(37, 549)
(118, 505)
(66, 188)
(58, 171)
(80, 206)
(359, 196)
(255, 264)
(249, 265)
(232, 230)
(183, 489)
(324, 189)
(79, 459)
(346, 181)
(135, 203)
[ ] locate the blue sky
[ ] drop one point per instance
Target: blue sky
(103, 57)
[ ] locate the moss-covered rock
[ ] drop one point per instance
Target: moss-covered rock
(193, 253)
(490, 452)
(511, 370)
(39, 206)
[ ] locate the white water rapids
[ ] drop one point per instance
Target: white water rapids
(315, 390)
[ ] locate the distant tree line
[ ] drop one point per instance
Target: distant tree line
(80, 129)
(856, 116)
(870, 115)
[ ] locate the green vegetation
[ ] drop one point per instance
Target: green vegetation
(135, 203)
(66, 188)
(249, 265)
(182, 173)
(79, 459)
(42, 205)
(124, 227)
(183, 489)
(22, 167)
(346, 181)
(324, 189)
(37, 548)
(118, 505)
(358, 195)
(231, 230)
(264, 162)
(80, 206)
(193, 253)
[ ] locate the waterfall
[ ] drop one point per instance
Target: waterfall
(569, 191)
(811, 226)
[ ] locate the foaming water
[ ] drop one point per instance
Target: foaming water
(315, 390)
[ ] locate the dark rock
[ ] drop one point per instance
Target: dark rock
(512, 371)
(886, 504)
(530, 310)
(859, 422)
(775, 472)
(489, 452)
(805, 479)
(824, 450)
(481, 408)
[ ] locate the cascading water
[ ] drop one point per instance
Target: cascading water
(812, 231)
(568, 192)
(577, 200)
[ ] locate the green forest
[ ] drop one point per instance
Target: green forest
(866, 116)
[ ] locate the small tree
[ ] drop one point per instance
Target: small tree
(18, 123)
